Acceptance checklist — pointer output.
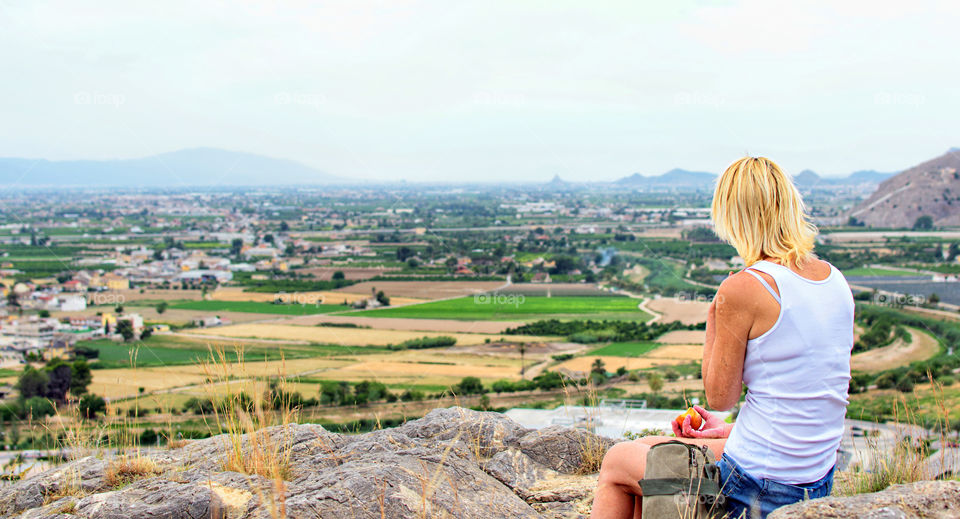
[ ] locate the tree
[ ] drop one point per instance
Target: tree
(80, 377)
(598, 367)
(32, 382)
(236, 246)
(383, 299)
(905, 384)
(338, 276)
(38, 406)
(43, 314)
(923, 223)
(469, 386)
(146, 333)
(59, 375)
(119, 309)
(404, 252)
(91, 405)
(125, 328)
(161, 307)
(655, 381)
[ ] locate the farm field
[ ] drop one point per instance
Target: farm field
(878, 272)
(348, 295)
(556, 289)
(625, 349)
(125, 382)
(171, 316)
(258, 307)
(170, 350)
(349, 336)
(683, 337)
(899, 353)
(421, 290)
(613, 363)
(676, 309)
(438, 368)
(392, 323)
(508, 306)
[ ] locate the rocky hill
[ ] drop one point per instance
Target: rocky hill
(929, 189)
(454, 462)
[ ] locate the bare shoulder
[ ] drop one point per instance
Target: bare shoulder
(815, 268)
(737, 290)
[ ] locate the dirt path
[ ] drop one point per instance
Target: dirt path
(921, 347)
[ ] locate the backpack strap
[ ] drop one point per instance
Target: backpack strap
(671, 486)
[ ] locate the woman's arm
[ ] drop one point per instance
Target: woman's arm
(729, 321)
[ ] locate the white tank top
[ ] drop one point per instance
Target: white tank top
(798, 374)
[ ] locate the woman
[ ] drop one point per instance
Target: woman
(784, 328)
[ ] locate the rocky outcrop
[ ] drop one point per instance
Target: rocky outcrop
(453, 462)
(924, 499)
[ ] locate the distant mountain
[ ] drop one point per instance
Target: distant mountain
(807, 178)
(868, 175)
(189, 167)
(929, 189)
(675, 178)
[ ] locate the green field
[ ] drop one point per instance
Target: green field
(625, 349)
(876, 272)
(513, 307)
(256, 307)
(155, 351)
(168, 350)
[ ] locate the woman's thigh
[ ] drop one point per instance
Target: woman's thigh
(624, 463)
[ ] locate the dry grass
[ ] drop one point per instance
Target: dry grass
(123, 471)
(903, 462)
(244, 420)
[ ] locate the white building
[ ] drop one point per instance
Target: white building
(72, 303)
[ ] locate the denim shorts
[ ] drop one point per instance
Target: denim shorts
(751, 497)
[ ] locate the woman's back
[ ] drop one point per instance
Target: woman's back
(798, 373)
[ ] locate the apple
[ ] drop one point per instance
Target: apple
(696, 421)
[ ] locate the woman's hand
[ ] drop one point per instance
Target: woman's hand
(713, 427)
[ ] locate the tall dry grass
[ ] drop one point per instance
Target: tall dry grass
(255, 423)
(904, 460)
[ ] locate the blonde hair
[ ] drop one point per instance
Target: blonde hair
(757, 209)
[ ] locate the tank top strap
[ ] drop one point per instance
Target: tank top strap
(765, 284)
(774, 270)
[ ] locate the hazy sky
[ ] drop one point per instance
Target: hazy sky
(463, 90)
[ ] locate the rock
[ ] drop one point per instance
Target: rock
(453, 462)
(156, 498)
(553, 494)
(924, 499)
(60, 509)
(565, 449)
(486, 432)
(84, 475)
(420, 481)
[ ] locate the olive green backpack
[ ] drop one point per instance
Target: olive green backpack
(681, 481)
